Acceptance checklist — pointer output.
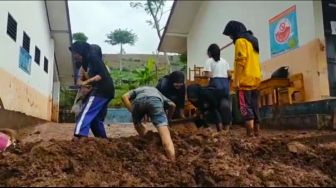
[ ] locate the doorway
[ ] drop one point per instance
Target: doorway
(329, 22)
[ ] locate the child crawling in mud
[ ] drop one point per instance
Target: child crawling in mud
(7, 138)
(149, 101)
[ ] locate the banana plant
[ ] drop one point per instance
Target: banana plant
(146, 75)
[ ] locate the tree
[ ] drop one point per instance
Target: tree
(79, 36)
(121, 37)
(155, 9)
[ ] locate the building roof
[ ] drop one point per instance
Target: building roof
(181, 18)
(60, 30)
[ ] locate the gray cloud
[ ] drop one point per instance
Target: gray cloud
(97, 18)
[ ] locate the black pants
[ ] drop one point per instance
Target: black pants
(248, 105)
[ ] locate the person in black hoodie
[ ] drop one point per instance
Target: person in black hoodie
(172, 86)
(94, 110)
(214, 106)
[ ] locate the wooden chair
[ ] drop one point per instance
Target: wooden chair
(295, 92)
(197, 71)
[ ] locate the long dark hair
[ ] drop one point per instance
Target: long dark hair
(214, 52)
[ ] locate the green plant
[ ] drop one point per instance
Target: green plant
(183, 57)
(67, 98)
(154, 8)
(119, 91)
(79, 36)
(121, 37)
(146, 75)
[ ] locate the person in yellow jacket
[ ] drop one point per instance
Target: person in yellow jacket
(247, 73)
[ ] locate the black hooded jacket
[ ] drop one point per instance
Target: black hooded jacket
(166, 87)
(93, 63)
(238, 30)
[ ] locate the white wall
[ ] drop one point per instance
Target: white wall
(212, 17)
(31, 17)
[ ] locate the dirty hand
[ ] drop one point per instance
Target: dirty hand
(84, 83)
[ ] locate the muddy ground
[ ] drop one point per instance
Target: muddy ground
(204, 158)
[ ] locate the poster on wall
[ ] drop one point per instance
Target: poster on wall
(283, 32)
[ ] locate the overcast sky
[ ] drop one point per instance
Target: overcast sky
(97, 18)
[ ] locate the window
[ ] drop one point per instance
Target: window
(25, 60)
(37, 55)
(46, 65)
(26, 42)
(11, 27)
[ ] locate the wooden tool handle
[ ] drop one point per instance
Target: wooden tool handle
(222, 48)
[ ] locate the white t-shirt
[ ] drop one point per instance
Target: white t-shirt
(218, 69)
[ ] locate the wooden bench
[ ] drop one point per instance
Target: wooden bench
(268, 90)
(295, 92)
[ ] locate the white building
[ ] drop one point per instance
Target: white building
(34, 56)
(193, 25)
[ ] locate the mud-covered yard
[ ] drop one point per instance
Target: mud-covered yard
(48, 157)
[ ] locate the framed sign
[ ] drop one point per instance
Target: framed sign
(283, 32)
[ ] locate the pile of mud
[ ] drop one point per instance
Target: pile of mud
(204, 158)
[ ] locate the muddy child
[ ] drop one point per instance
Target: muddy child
(247, 73)
(149, 101)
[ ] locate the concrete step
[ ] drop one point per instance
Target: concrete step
(303, 121)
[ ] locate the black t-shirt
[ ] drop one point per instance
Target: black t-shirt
(105, 86)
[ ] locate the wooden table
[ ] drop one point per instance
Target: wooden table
(269, 88)
(202, 80)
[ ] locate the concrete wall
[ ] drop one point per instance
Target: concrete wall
(214, 15)
(27, 93)
(133, 61)
(310, 60)
(55, 101)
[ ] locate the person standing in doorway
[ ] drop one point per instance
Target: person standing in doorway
(94, 110)
(247, 73)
